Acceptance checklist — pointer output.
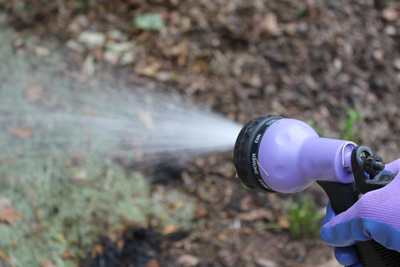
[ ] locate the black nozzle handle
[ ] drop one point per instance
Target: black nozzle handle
(370, 253)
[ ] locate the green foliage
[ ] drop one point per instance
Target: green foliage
(149, 21)
(349, 129)
(304, 219)
(314, 125)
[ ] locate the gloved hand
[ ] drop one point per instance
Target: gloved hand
(375, 216)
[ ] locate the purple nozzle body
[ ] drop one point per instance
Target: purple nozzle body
(291, 156)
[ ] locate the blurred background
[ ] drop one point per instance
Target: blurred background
(118, 121)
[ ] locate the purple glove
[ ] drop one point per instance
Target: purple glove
(375, 216)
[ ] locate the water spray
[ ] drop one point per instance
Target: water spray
(275, 154)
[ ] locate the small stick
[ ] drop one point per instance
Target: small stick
(35, 210)
(5, 257)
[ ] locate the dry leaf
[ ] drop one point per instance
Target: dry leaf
(23, 132)
(266, 263)
(188, 260)
(200, 214)
(150, 71)
(66, 255)
(10, 216)
(34, 93)
(47, 263)
(169, 229)
(178, 205)
(153, 263)
(284, 223)
(270, 23)
(200, 65)
(256, 214)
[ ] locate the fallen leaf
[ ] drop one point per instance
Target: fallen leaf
(10, 216)
(34, 93)
(99, 249)
(200, 65)
(92, 39)
(178, 205)
(153, 263)
(47, 263)
(169, 229)
(23, 132)
(256, 214)
(66, 255)
(270, 23)
(266, 263)
(42, 51)
(284, 223)
(149, 21)
(150, 70)
(222, 237)
(120, 244)
(188, 260)
(200, 214)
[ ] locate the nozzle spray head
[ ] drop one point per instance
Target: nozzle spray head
(274, 154)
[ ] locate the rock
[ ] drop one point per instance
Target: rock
(92, 39)
(397, 63)
(390, 30)
(337, 64)
(390, 14)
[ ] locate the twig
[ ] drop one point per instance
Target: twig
(5, 257)
(35, 210)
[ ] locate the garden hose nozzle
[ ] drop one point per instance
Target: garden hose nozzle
(275, 154)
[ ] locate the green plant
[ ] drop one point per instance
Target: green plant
(149, 21)
(348, 130)
(304, 219)
(316, 128)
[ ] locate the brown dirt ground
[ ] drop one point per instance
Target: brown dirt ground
(299, 59)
